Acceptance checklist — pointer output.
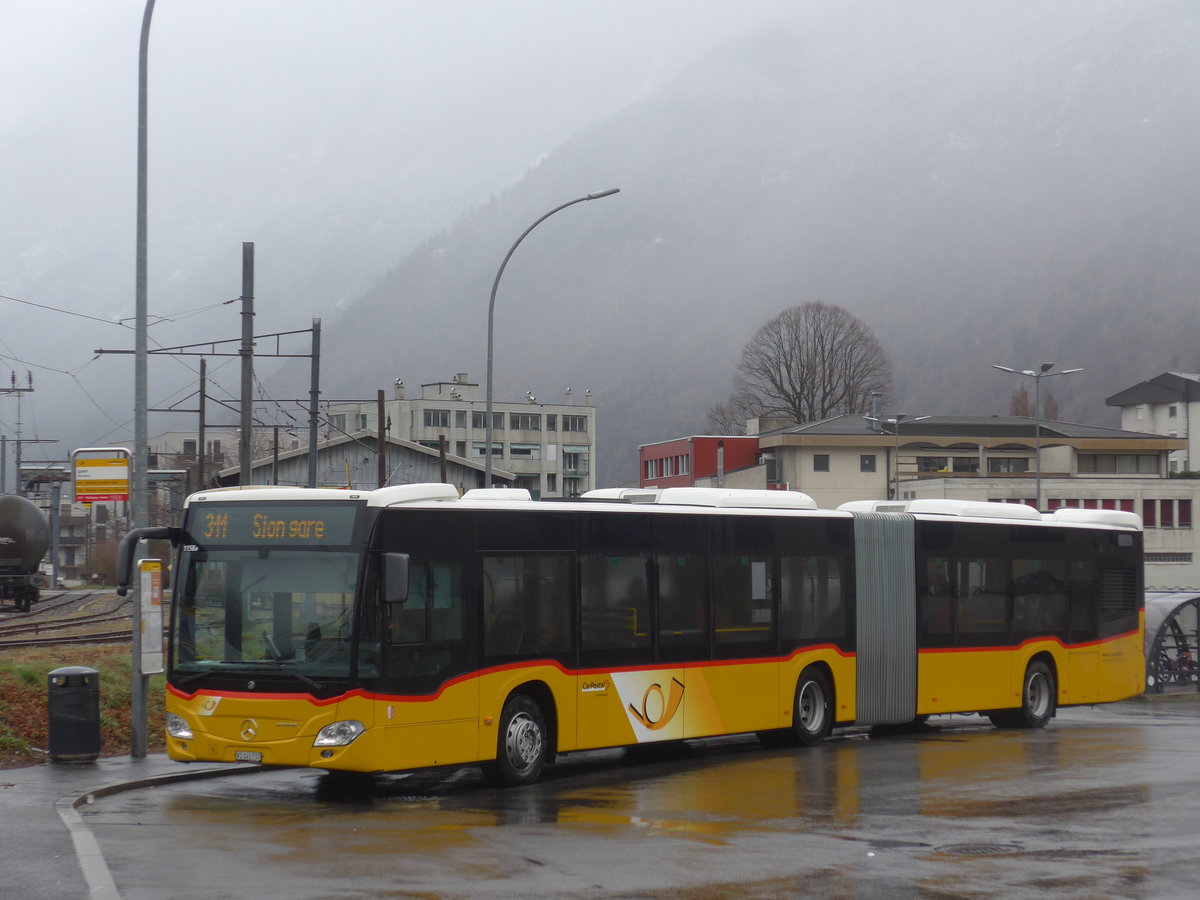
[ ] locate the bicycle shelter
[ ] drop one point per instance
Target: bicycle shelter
(1172, 642)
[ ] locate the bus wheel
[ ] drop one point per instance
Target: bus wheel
(522, 743)
(812, 718)
(1038, 700)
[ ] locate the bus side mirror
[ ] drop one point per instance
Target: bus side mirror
(128, 545)
(395, 577)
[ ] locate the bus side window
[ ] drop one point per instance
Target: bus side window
(936, 599)
(1040, 598)
(982, 596)
(811, 598)
(615, 602)
(526, 605)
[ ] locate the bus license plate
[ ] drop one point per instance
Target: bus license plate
(247, 756)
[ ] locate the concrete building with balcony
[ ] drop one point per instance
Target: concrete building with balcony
(548, 447)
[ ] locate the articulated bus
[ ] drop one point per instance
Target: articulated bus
(409, 627)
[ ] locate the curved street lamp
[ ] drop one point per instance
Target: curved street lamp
(487, 469)
(1042, 372)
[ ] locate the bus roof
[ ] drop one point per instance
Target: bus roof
(690, 497)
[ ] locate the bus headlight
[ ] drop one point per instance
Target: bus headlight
(339, 734)
(177, 727)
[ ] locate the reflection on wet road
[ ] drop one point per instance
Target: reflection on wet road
(1100, 804)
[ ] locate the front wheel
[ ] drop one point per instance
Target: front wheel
(521, 745)
(812, 718)
(1038, 700)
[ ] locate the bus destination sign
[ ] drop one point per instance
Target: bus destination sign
(277, 524)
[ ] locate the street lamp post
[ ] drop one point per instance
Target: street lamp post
(487, 426)
(1042, 372)
(894, 469)
(895, 423)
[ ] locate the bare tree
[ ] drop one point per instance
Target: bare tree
(808, 363)
(1022, 405)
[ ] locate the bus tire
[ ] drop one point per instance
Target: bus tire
(1038, 700)
(522, 744)
(812, 715)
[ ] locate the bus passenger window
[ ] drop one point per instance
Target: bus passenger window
(1041, 603)
(743, 602)
(983, 596)
(526, 605)
(811, 598)
(615, 602)
(935, 598)
(682, 601)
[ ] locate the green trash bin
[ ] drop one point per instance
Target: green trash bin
(73, 704)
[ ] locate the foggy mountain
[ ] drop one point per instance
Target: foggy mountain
(1005, 186)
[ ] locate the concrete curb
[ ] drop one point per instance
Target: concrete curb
(87, 850)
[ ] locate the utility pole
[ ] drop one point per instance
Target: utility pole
(381, 456)
(247, 354)
(14, 391)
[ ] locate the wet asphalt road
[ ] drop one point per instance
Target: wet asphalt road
(1103, 803)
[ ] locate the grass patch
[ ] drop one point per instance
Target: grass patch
(24, 713)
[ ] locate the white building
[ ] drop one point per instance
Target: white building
(549, 447)
(1166, 404)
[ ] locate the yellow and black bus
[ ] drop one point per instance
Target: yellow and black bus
(408, 627)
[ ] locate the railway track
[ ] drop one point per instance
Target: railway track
(65, 618)
(99, 637)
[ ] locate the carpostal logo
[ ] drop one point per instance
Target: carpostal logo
(652, 702)
(657, 708)
(594, 687)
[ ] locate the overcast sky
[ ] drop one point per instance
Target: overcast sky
(254, 106)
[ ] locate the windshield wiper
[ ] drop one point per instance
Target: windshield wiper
(195, 676)
(278, 658)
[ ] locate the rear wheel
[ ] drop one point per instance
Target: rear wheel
(1038, 700)
(521, 745)
(812, 718)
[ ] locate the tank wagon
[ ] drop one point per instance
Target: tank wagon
(24, 537)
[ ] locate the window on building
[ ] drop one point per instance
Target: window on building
(551, 483)
(965, 463)
(479, 448)
(1185, 514)
(1150, 513)
(479, 420)
(524, 451)
(866, 462)
(525, 421)
(575, 462)
(437, 418)
(551, 422)
(1118, 463)
(575, 423)
(460, 418)
(1002, 465)
(820, 462)
(933, 464)
(189, 449)
(1172, 411)
(531, 483)
(1166, 514)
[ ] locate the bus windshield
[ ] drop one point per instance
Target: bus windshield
(264, 608)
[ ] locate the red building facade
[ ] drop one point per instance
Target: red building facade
(679, 462)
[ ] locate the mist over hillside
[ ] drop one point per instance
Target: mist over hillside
(1005, 187)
